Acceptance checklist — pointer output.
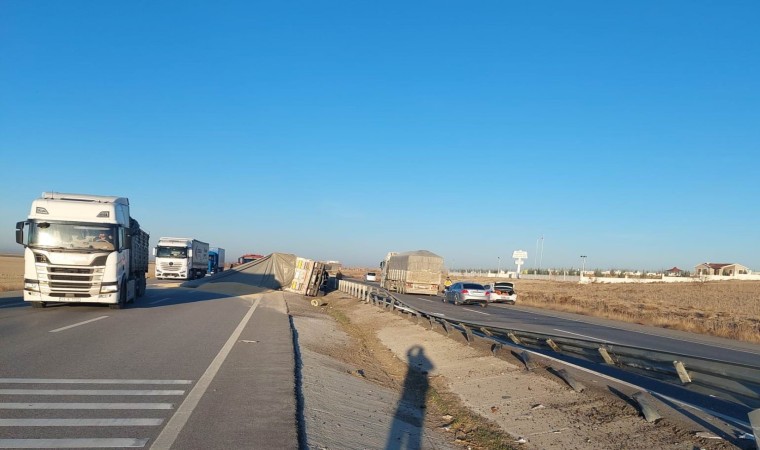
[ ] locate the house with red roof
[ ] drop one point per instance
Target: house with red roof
(721, 269)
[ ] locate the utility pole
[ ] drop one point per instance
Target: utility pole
(541, 257)
(583, 265)
(499, 270)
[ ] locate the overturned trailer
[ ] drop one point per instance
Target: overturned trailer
(416, 272)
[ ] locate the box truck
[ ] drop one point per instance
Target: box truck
(82, 248)
(181, 258)
(215, 260)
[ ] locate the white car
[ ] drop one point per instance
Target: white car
(371, 276)
(501, 292)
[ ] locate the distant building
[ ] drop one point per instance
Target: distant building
(674, 272)
(721, 269)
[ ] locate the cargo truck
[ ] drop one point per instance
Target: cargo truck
(181, 258)
(248, 257)
(416, 272)
(82, 248)
(215, 260)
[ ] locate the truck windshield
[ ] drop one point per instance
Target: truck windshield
(171, 252)
(72, 236)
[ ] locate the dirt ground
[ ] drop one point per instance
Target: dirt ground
(475, 400)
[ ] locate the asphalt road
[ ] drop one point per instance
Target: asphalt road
(585, 327)
(179, 369)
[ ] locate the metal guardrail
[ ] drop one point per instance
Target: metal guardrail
(731, 382)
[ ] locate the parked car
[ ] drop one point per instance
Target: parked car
(501, 292)
(466, 293)
(371, 276)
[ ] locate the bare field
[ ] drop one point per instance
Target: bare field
(729, 309)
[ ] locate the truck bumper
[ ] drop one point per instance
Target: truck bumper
(34, 296)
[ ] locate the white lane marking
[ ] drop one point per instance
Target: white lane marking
(584, 336)
(425, 299)
(80, 422)
(178, 420)
(73, 443)
(479, 312)
(159, 301)
(86, 381)
(77, 324)
(438, 314)
(86, 405)
(88, 392)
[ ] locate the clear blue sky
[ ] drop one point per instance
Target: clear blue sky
(628, 132)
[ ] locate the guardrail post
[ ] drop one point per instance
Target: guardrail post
(432, 322)
(553, 345)
(525, 358)
(606, 356)
(467, 333)
(569, 379)
(650, 412)
(682, 374)
(446, 326)
(485, 331)
(754, 421)
(514, 338)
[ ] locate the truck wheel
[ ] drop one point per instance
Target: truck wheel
(142, 284)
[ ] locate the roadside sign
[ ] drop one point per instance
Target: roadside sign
(520, 254)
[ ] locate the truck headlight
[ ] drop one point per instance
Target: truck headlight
(32, 285)
(109, 288)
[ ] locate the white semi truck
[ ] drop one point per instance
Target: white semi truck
(181, 258)
(417, 272)
(82, 249)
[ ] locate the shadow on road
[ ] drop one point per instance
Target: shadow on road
(408, 421)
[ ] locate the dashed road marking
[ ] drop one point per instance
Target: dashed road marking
(77, 324)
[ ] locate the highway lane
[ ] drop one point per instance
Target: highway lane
(117, 377)
(590, 328)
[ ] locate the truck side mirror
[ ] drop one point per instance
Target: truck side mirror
(20, 232)
(154, 251)
(128, 240)
(190, 253)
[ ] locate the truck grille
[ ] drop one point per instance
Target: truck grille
(75, 281)
(165, 267)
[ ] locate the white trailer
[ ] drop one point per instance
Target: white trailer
(82, 249)
(181, 258)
